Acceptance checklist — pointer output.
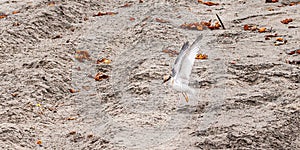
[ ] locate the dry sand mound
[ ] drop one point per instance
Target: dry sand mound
(247, 90)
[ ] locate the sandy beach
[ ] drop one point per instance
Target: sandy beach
(52, 98)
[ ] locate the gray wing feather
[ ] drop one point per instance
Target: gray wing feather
(179, 59)
(187, 61)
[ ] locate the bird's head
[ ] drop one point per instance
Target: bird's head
(166, 78)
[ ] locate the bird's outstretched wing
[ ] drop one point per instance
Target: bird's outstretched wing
(186, 61)
(178, 60)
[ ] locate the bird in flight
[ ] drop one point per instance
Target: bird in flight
(182, 68)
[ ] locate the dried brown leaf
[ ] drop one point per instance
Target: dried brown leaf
(101, 14)
(206, 23)
(105, 13)
(214, 27)
(261, 30)
(291, 52)
(104, 60)
(39, 142)
(201, 56)
(279, 39)
(3, 16)
(72, 132)
(250, 27)
(217, 25)
(51, 3)
(100, 76)
(201, 26)
(71, 118)
(72, 90)
(271, 1)
(286, 21)
(246, 27)
(15, 12)
(14, 94)
(208, 3)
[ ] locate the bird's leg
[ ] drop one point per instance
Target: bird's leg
(185, 96)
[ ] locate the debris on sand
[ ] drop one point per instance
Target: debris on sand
(101, 76)
(208, 3)
(105, 13)
(82, 55)
(286, 21)
(201, 26)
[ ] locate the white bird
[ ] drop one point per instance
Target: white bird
(182, 68)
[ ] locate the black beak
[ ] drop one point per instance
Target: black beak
(166, 80)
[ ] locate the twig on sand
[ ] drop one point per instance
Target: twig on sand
(220, 21)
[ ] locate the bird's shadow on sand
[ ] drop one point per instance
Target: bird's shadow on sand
(192, 108)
